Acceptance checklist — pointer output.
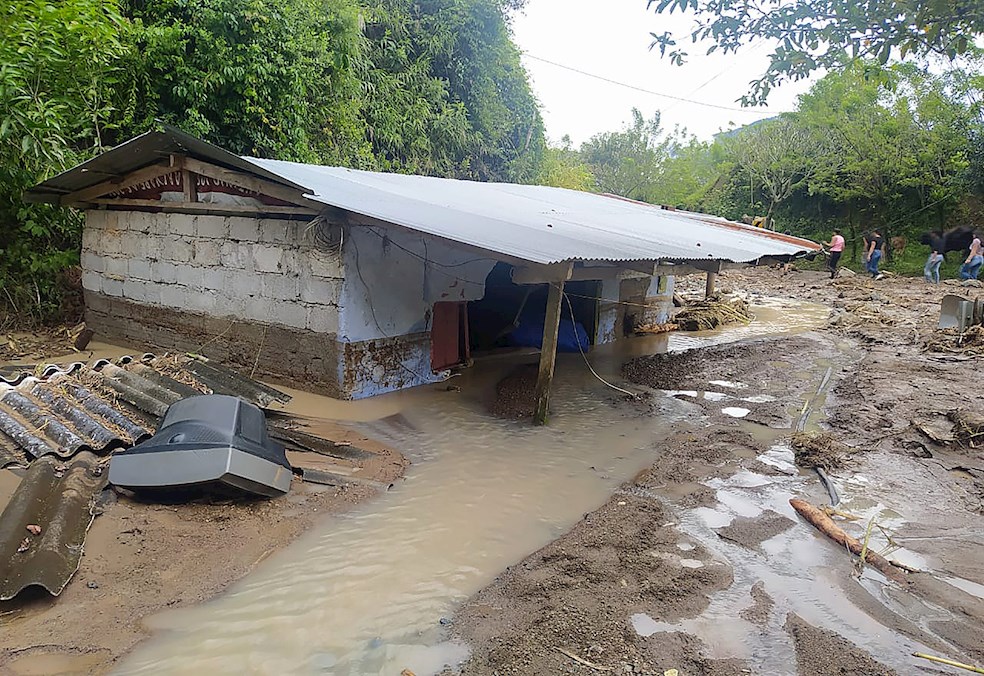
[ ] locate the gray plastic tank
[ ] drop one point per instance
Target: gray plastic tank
(210, 441)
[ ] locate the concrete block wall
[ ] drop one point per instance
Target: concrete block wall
(269, 271)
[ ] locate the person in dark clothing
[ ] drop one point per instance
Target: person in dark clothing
(876, 244)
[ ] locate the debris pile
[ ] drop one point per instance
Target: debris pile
(819, 449)
(702, 315)
(514, 394)
(968, 427)
(654, 329)
(969, 342)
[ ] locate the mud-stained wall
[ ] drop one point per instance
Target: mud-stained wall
(265, 270)
(394, 278)
(645, 300)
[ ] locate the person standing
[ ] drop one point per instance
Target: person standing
(972, 266)
(932, 270)
(836, 245)
(875, 246)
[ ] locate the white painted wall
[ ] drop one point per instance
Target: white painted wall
(265, 270)
(390, 290)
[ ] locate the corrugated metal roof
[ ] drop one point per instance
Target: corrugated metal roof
(538, 224)
(535, 223)
(141, 151)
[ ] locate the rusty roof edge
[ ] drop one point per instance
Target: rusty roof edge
(722, 222)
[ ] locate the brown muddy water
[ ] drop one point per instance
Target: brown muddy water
(366, 592)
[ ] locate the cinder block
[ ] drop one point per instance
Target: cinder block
(189, 276)
(92, 261)
(206, 252)
(322, 318)
(91, 280)
(110, 243)
(174, 295)
(116, 266)
(201, 300)
(258, 308)
(266, 258)
(135, 289)
(322, 292)
(244, 229)
(111, 287)
(279, 287)
(164, 272)
(293, 315)
(182, 224)
(273, 231)
(157, 224)
(236, 255)
(178, 249)
(136, 221)
(91, 239)
(213, 227)
(95, 220)
(324, 264)
(140, 268)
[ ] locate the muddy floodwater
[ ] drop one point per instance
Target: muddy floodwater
(366, 592)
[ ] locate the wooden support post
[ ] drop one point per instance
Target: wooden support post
(709, 287)
(548, 352)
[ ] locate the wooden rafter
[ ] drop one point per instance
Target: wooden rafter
(247, 182)
(132, 179)
(205, 208)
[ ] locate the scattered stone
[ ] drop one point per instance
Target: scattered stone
(34, 529)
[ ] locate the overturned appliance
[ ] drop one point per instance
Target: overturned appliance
(209, 442)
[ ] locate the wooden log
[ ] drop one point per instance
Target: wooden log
(548, 353)
(709, 284)
(826, 525)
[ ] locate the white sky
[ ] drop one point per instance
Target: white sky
(610, 38)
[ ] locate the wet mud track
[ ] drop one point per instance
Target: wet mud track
(700, 564)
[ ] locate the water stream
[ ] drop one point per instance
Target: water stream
(365, 592)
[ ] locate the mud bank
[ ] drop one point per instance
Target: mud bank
(700, 565)
(141, 558)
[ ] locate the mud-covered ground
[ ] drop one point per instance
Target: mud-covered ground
(144, 557)
(699, 564)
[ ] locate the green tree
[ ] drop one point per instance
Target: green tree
(825, 34)
(562, 168)
(628, 162)
(60, 86)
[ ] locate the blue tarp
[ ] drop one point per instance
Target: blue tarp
(529, 333)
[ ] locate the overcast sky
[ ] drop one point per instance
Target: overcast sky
(610, 38)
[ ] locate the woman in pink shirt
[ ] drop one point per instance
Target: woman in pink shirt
(836, 245)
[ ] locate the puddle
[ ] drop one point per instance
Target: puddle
(759, 399)
(971, 588)
(735, 411)
(51, 664)
(729, 383)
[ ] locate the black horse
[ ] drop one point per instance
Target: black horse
(954, 239)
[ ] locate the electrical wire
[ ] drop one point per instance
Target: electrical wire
(680, 99)
(577, 338)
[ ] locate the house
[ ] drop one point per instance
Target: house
(359, 283)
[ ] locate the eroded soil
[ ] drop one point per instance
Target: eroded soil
(700, 565)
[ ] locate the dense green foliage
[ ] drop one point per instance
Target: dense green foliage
(422, 86)
(815, 35)
(892, 147)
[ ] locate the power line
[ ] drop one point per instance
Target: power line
(650, 91)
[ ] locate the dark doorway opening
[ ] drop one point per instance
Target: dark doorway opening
(509, 314)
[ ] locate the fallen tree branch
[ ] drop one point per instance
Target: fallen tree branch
(581, 660)
(826, 525)
(943, 660)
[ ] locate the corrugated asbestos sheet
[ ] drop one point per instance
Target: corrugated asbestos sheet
(538, 224)
(63, 423)
(105, 405)
(43, 527)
